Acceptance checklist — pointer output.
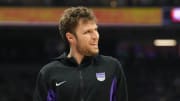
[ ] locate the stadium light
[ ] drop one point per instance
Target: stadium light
(175, 14)
(165, 42)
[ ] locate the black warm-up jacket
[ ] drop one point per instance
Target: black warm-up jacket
(98, 78)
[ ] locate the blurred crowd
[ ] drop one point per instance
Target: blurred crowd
(154, 71)
(93, 3)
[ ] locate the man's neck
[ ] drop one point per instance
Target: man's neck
(78, 57)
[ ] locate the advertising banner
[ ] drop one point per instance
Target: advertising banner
(105, 16)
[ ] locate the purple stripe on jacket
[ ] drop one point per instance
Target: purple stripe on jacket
(51, 95)
(113, 90)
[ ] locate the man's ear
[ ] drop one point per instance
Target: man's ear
(69, 37)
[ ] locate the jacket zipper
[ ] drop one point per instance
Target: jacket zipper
(81, 86)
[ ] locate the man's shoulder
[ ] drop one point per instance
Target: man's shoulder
(49, 66)
(107, 58)
(109, 61)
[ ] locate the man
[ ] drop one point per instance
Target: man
(81, 74)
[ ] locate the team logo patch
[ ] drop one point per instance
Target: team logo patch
(100, 76)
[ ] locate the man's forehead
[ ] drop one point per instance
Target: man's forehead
(86, 25)
(86, 21)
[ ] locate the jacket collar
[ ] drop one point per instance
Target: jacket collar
(72, 61)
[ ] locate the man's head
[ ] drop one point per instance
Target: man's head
(78, 28)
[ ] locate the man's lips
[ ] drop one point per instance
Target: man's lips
(94, 45)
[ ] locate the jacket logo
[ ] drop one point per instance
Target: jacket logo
(60, 83)
(100, 76)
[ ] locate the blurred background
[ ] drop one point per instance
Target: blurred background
(143, 34)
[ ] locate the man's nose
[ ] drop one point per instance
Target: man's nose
(95, 35)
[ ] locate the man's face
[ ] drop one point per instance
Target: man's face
(87, 38)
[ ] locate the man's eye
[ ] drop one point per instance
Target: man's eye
(87, 32)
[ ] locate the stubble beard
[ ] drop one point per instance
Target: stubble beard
(87, 52)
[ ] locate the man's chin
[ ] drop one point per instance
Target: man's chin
(94, 53)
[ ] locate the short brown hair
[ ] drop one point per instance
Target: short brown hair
(70, 18)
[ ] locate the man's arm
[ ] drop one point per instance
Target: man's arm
(40, 92)
(122, 92)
